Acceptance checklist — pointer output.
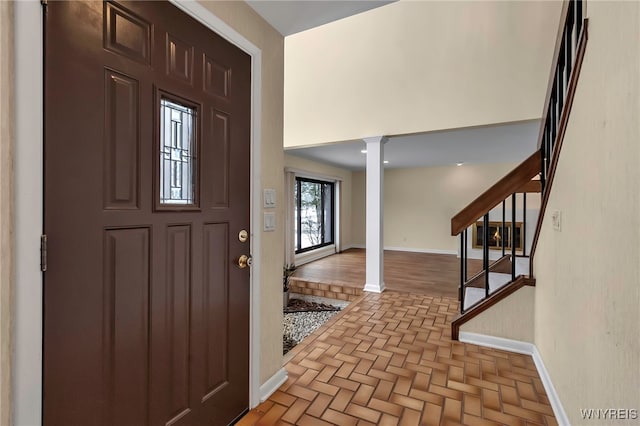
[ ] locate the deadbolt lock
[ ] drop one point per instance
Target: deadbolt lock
(243, 236)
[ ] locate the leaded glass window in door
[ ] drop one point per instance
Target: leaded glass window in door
(178, 156)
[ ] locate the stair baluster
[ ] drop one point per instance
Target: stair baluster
(513, 237)
(485, 254)
(504, 228)
(462, 270)
(524, 224)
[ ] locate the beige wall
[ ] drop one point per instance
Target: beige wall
(420, 202)
(248, 23)
(314, 167)
(359, 208)
(511, 318)
(6, 207)
(587, 307)
(416, 66)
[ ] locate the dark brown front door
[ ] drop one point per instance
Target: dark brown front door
(146, 189)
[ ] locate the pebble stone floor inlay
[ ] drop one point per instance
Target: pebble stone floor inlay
(388, 359)
(298, 325)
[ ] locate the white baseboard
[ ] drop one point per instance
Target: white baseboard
(414, 250)
(527, 349)
(421, 250)
(270, 386)
(497, 342)
(554, 399)
(374, 288)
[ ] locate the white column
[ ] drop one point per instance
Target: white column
(375, 247)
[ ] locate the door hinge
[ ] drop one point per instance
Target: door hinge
(44, 2)
(43, 253)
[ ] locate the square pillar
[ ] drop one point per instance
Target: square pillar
(375, 246)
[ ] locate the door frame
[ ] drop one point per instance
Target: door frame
(29, 190)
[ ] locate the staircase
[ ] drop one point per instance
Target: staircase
(494, 228)
(507, 232)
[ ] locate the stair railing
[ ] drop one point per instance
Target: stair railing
(567, 61)
(518, 181)
(571, 45)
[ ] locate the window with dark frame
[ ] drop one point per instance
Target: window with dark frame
(314, 214)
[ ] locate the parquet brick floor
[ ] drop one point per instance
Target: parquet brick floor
(388, 359)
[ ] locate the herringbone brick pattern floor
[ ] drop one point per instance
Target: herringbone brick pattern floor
(388, 360)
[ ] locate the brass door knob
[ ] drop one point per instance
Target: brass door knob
(244, 261)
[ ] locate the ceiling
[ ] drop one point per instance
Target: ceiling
(502, 143)
(292, 16)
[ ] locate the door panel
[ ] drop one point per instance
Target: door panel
(178, 299)
(146, 316)
(216, 311)
(122, 142)
(216, 155)
(126, 306)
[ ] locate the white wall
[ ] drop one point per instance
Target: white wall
(415, 66)
(587, 304)
(420, 202)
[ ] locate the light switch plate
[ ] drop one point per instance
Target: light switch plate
(269, 198)
(556, 220)
(269, 222)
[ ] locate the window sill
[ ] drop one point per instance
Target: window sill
(316, 254)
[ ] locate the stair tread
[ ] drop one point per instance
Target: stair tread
(497, 280)
(472, 296)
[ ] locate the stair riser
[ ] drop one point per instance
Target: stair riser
(330, 291)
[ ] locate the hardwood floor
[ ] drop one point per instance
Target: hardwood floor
(420, 273)
(388, 359)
